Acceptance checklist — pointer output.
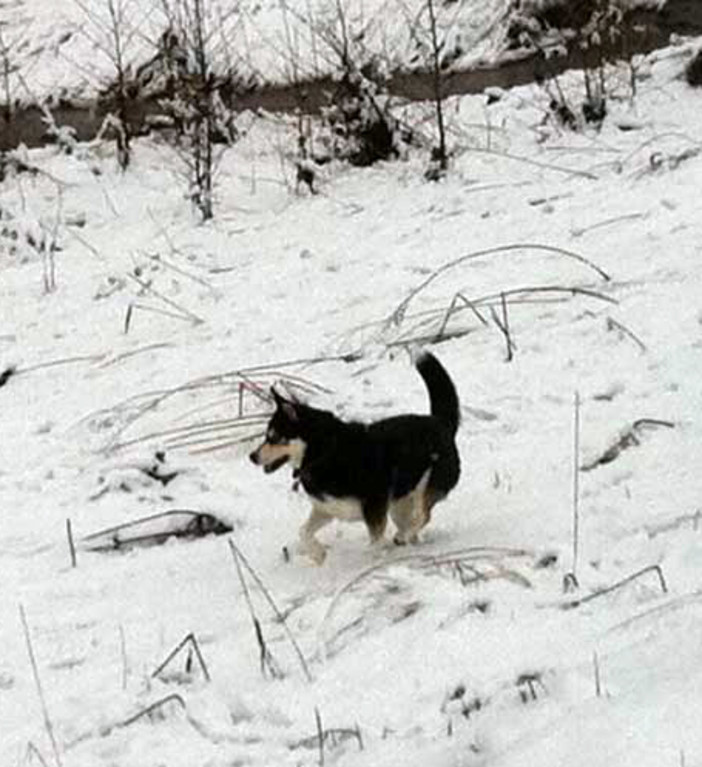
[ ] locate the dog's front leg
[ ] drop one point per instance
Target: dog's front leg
(309, 545)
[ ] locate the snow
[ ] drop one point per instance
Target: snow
(68, 49)
(427, 663)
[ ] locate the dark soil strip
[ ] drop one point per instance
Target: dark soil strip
(648, 30)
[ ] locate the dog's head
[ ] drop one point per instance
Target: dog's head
(283, 441)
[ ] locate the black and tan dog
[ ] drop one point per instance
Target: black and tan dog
(401, 466)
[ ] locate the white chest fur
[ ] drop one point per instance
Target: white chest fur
(345, 509)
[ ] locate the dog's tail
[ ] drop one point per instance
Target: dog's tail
(442, 392)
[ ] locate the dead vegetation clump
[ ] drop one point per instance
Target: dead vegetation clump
(693, 71)
(599, 33)
(359, 124)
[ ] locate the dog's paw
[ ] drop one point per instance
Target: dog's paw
(313, 550)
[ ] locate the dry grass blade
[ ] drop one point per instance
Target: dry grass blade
(334, 736)
(572, 603)
(503, 325)
(422, 331)
(239, 557)
(71, 542)
(214, 447)
(154, 708)
(63, 361)
(267, 661)
(191, 642)
(399, 312)
(677, 603)
(576, 484)
(34, 753)
(197, 430)
(613, 324)
(181, 310)
(528, 161)
(40, 690)
(452, 307)
(469, 554)
(580, 231)
(630, 437)
(127, 355)
(320, 735)
(134, 408)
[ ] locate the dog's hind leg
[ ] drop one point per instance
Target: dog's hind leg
(309, 545)
(412, 512)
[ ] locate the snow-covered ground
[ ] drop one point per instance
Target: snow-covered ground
(459, 651)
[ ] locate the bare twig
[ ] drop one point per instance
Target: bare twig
(623, 582)
(188, 641)
(596, 666)
(579, 231)
(123, 655)
(71, 543)
(503, 325)
(40, 691)
(320, 735)
(613, 324)
(34, 753)
(576, 482)
(153, 708)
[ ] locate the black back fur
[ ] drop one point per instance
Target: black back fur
(381, 461)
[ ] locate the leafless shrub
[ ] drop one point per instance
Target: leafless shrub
(10, 73)
(600, 31)
(358, 124)
(113, 27)
(194, 98)
(8, 66)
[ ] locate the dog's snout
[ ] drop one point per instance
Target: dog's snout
(253, 456)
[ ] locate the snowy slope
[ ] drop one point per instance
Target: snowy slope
(462, 651)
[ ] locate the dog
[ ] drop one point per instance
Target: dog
(398, 467)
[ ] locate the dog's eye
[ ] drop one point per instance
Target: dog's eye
(274, 438)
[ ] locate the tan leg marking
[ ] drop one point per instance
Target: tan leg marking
(309, 545)
(411, 512)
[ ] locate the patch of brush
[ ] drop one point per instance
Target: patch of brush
(382, 602)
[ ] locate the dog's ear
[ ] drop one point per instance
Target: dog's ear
(287, 406)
